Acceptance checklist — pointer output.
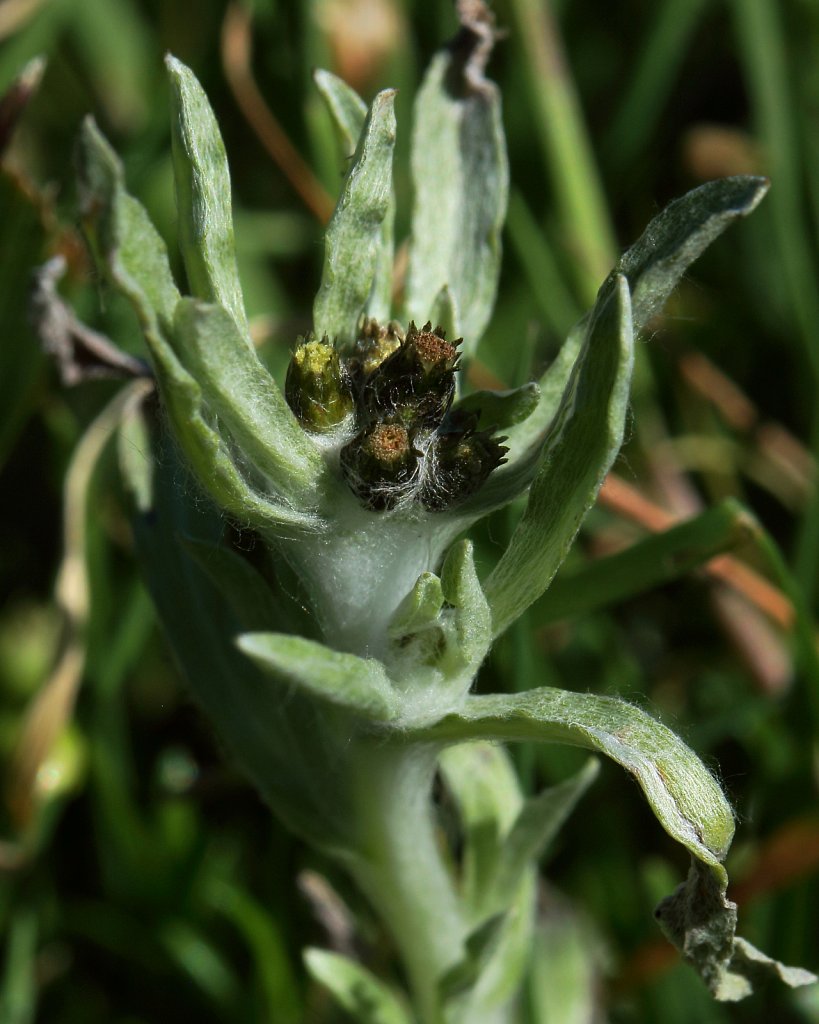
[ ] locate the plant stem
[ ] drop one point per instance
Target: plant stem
(401, 871)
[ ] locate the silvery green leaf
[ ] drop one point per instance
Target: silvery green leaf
(379, 303)
(501, 409)
(366, 998)
(349, 112)
(536, 825)
(443, 313)
(700, 921)
(419, 609)
(499, 962)
(356, 684)
(240, 584)
(347, 109)
(134, 456)
(481, 780)
(460, 174)
(125, 241)
(134, 258)
(354, 244)
(471, 616)
(203, 196)
(676, 237)
(582, 443)
(684, 796)
(247, 400)
(565, 977)
(653, 267)
(297, 772)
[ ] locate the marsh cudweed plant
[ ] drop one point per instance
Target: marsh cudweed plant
(362, 477)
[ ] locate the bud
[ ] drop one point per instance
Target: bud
(318, 387)
(458, 462)
(381, 465)
(416, 384)
(375, 344)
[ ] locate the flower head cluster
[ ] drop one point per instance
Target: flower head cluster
(394, 393)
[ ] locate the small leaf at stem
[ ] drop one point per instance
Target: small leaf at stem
(583, 441)
(420, 608)
(203, 196)
(500, 409)
(355, 240)
(366, 998)
(358, 684)
(471, 612)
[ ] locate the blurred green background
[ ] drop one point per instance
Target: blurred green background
(141, 880)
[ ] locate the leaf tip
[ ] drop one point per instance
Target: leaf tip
(174, 66)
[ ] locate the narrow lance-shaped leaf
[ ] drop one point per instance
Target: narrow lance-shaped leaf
(472, 618)
(461, 180)
(535, 827)
(128, 246)
(567, 984)
(346, 107)
(583, 441)
(297, 773)
(349, 112)
(354, 240)
(134, 258)
(247, 400)
(684, 796)
(482, 782)
(203, 196)
(366, 998)
(241, 586)
(497, 955)
(358, 684)
(653, 267)
(501, 409)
